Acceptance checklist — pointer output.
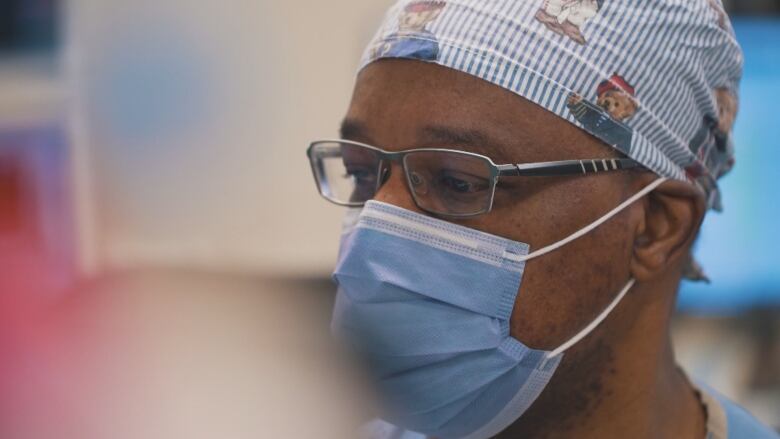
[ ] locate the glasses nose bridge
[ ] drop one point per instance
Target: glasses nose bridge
(395, 190)
(394, 156)
(386, 158)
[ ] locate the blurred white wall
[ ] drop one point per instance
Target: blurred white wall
(196, 115)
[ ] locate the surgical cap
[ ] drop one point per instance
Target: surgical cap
(655, 79)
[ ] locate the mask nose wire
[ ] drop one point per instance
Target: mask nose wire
(587, 229)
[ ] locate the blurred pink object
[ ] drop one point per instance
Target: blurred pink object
(183, 355)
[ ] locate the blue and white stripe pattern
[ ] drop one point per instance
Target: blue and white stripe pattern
(676, 60)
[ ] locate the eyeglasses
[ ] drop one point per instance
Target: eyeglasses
(443, 182)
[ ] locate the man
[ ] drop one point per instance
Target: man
(512, 273)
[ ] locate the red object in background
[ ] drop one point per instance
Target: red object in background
(37, 233)
(11, 217)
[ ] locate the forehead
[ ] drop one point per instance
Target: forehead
(402, 104)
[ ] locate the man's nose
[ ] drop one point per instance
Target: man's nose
(394, 190)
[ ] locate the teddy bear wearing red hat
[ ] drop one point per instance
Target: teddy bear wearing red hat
(615, 104)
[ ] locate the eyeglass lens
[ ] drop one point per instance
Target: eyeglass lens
(443, 182)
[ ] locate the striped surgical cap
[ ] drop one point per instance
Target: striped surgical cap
(655, 79)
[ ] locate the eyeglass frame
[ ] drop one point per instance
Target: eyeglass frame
(536, 169)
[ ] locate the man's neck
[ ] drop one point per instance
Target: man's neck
(626, 387)
(661, 407)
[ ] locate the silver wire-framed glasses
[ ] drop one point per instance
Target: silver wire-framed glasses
(444, 182)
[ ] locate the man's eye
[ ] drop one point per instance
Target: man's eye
(462, 184)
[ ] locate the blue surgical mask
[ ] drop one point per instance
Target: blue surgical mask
(428, 304)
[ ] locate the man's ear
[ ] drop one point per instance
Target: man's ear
(672, 215)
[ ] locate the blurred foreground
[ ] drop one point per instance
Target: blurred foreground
(175, 355)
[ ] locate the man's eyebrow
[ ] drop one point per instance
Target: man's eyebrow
(476, 139)
(352, 129)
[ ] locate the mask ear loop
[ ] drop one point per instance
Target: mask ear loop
(588, 329)
(587, 229)
(544, 250)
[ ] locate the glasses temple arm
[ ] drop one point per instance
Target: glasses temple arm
(567, 167)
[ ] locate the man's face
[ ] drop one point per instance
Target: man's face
(403, 104)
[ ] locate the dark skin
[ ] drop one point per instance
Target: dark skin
(621, 381)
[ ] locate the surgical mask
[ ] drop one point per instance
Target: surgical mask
(428, 304)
